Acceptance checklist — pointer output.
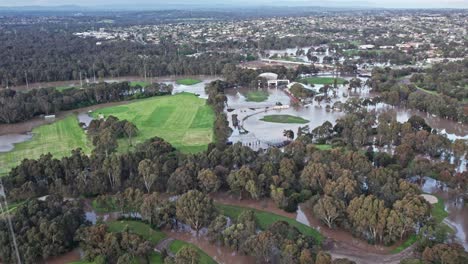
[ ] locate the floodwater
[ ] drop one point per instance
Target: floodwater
(454, 205)
(250, 113)
(7, 142)
(261, 133)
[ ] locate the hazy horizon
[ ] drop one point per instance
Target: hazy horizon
(147, 4)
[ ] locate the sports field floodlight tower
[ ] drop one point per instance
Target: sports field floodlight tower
(4, 211)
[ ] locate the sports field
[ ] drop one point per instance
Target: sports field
(183, 120)
(58, 138)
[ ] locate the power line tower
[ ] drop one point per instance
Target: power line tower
(6, 213)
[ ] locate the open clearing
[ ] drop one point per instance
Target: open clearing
(285, 119)
(58, 138)
(257, 96)
(183, 120)
(265, 219)
(322, 80)
(188, 81)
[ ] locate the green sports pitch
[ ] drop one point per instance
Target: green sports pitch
(183, 120)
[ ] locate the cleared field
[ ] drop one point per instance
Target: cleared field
(188, 81)
(285, 119)
(177, 245)
(322, 80)
(257, 96)
(183, 120)
(58, 138)
(265, 219)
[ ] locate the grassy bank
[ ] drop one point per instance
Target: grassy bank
(265, 219)
(58, 138)
(183, 120)
(177, 245)
(256, 96)
(285, 119)
(188, 81)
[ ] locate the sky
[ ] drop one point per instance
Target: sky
(221, 3)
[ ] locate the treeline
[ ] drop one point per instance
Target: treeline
(21, 106)
(394, 92)
(43, 229)
(47, 53)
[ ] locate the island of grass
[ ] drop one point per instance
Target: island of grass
(285, 119)
(58, 138)
(256, 96)
(265, 219)
(184, 120)
(139, 228)
(322, 80)
(140, 83)
(188, 81)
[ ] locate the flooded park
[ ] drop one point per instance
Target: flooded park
(256, 133)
